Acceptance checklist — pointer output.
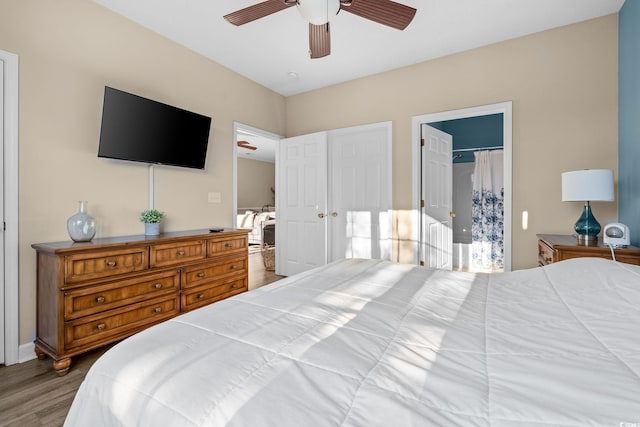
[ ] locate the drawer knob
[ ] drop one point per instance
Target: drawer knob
(158, 286)
(201, 274)
(180, 253)
(228, 245)
(200, 296)
(234, 286)
(101, 326)
(100, 300)
(111, 263)
(234, 267)
(157, 310)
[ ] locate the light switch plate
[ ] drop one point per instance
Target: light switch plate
(214, 197)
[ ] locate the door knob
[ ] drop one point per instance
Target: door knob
(452, 214)
(334, 214)
(321, 215)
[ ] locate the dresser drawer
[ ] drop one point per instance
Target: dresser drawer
(218, 247)
(177, 253)
(114, 324)
(545, 253)
(205, 273)
(102, 264)
(197, 297)
(95, 299)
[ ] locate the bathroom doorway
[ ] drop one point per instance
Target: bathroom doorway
(478, 192)
(479, 129)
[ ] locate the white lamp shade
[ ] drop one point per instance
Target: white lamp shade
(587, 185)
(318, 12)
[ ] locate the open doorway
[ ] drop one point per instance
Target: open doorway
(254, 191)
(477, 184)
(489, 115)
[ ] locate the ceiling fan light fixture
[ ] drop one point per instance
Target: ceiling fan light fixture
(318, 12)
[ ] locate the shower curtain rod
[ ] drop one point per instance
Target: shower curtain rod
(497, 147)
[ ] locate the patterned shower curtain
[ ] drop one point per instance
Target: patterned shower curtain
(487, 228)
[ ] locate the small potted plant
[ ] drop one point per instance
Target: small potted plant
(151, 219)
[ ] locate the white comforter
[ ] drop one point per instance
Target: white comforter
(372, 343)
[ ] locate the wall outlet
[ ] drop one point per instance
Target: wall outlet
(214, 197)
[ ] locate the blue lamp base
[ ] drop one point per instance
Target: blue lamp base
(587, 227)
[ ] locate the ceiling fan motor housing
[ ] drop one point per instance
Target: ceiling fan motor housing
(318, 12)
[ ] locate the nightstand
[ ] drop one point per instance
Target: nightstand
(557, 247)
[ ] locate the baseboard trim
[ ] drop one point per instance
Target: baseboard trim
(26, 352)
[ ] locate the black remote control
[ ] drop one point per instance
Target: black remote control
(216, 230)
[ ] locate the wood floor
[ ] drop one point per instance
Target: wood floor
(31, 394)
(258, 275)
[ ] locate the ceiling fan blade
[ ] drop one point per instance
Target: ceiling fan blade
(247, 145)
(258, 11)
(384, 12)
(319, 40)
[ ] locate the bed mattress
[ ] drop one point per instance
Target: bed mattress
(375, 343)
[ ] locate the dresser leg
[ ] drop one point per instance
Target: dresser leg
(62, 366)
(39, 353)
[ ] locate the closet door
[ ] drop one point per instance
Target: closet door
(334, 197)
(360, 192)
(301, 219)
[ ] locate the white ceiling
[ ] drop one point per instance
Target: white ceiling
(273, 51)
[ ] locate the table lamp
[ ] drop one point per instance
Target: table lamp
(588, 185)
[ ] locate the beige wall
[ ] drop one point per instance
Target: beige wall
(255, 181)
(68, 51)
(563, 85)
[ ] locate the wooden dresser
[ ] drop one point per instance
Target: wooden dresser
(94, 293)
(557, 247)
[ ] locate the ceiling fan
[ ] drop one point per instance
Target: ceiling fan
(319, 12)
(247, 145)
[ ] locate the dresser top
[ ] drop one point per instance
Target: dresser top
(564, 240)
(138, 239)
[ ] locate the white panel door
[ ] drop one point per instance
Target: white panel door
(360, 192)
(437, 194)
(301, 213)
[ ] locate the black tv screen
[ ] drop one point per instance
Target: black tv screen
(142, 130)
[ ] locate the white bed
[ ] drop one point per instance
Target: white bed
(373, 343)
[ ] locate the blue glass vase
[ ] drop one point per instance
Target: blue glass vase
(587, 227)
(81, 226)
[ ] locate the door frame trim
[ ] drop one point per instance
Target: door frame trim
(11, 242)
(504, 108)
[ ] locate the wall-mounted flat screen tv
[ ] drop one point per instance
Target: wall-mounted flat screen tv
(142, 130)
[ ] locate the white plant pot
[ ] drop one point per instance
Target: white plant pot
(151, 229)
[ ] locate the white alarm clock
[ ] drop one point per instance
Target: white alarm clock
(616, 235)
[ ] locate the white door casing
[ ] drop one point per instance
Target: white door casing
(2, 321)
(301, 230)
(437, 193)
(334, 197)
(12, 352)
